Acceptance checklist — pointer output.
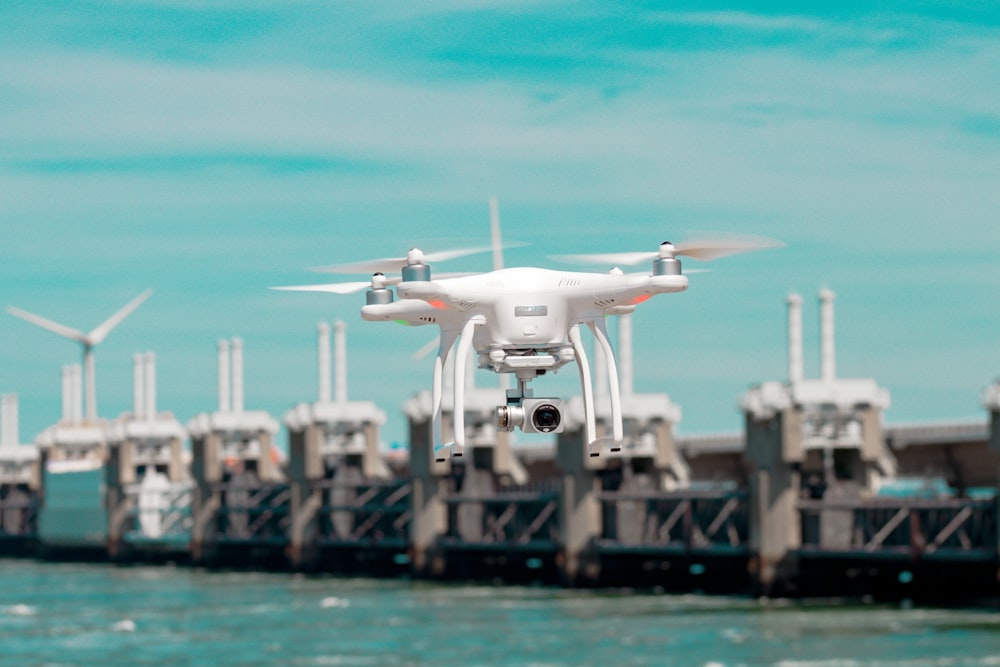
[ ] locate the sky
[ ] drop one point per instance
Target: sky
(209, 149)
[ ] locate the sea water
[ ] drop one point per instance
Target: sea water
(69, 614)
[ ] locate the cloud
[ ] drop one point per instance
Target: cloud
(742, 21)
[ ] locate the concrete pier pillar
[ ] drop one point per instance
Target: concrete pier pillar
(579, 509)
(305, 466)
(810, 445)
(334, 452)
(991, 401)
(430, 513)
(206, 471)
(773, 452)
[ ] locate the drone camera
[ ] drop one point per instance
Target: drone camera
(532, 415)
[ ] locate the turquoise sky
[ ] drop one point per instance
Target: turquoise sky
(210, 149)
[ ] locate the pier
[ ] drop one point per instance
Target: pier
(816, 497)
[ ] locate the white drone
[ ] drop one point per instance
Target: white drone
(523, 321)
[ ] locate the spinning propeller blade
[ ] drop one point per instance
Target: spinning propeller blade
(708, 249)
(354, 286)
(333, 288)
(703, 249)
(396, 264)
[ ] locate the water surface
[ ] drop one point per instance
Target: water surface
(69, 614)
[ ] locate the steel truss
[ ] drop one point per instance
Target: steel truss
(253, 511)
(365, 512)
(516, 517)
(912, 527)
(173, 518)
(677, 519)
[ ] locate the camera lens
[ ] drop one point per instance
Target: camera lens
(546, 418)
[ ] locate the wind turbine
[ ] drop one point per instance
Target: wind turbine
(87, 340)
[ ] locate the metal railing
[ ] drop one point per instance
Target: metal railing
(900, 526)
(253, 511)
(682, 519)
(513, 518)
(158, 514)
(365, 512)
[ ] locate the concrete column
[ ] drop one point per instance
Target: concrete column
(631, 515)
(11, 430)
(150, 379)
(773, 448)
(373, 467)
(237, 353)
(176, 471)
(340, 361)
(579, 510)
(323, 361)
(430, 514)
(828, 360)
(206, 469)
(992, 403)
(138, 386)
(304, 467)
(225, 401)
(119, 471)
(795, 366)
(267, 471)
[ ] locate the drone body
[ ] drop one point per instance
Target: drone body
(525, 322)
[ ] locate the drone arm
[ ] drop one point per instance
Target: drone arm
(601, 334)
(414, 313)
(586, 385)
(421, 289)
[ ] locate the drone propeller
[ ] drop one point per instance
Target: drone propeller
(378, 281)
(703, 249)
(396, 264)
(332, 288)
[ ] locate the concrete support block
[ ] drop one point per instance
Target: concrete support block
(775, 528)
(206, 469)
(373, 467)
(176, 470)
(430, 514)
(580, 511)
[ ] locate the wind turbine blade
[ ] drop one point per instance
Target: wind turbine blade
(49, 325)
(429, 347)
(101, 332)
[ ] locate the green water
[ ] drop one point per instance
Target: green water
(67, 614)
